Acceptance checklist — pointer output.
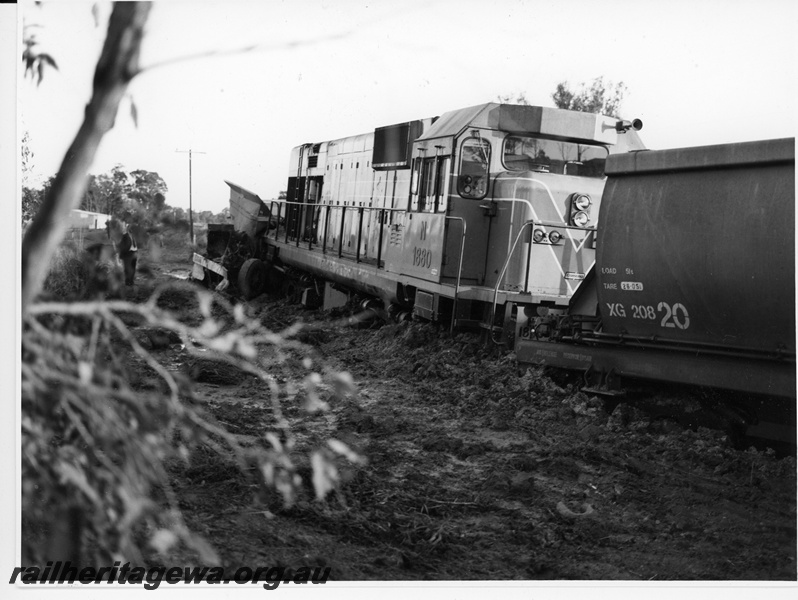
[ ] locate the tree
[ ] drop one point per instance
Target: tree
(31, 198)
(104, 193)
(27, 160)
(147, 186)
(95, 447)
(520, 98)
(118, 64)
(206, 216)
(599, 97)
(31, 201)
(139, 192)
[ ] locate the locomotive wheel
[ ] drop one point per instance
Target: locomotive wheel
(252, 278)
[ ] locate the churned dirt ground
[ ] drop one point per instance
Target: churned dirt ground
(479, 469)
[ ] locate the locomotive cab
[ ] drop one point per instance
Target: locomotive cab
(504, 203)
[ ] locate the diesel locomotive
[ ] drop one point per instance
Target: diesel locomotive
(556, 232)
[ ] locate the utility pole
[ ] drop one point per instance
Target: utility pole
(190, 214)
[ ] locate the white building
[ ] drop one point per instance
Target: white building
(83, 219)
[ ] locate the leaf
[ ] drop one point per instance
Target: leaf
(272, 438)
(134, 113)
(246, 349)
(239, 314)
(207, 554)
(344, 384)
(325, 475)
(339, 447)
(205, 302)
(70, 474)
(162, 540)
(49, 60)
(85, 372)
(313, 403)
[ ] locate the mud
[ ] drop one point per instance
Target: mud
(479, 469)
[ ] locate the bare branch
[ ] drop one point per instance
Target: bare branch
(244, 50)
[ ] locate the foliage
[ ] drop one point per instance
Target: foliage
(148, 188)
(31, 197)
(98, 437)
(35, 60)
(69, 274)
(117, 65)
(102, 418)
(519, 98)
(31, 201)
(138, 196)
(27, 159)
(118, 192)
(598, 97)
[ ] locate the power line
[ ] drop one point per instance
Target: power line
(190, 214)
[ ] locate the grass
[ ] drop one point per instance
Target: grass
(69, 273)
(177, 242)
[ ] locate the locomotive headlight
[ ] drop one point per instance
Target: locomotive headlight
(555, 236)
(582, 201)
(538, 236)
(581, 218)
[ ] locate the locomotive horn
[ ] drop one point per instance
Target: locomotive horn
(624, 126)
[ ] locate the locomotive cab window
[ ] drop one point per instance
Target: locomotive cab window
(526, 153)
(472, 181)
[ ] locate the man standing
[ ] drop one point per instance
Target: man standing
(128, 254)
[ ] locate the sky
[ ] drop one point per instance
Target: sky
(697, 72)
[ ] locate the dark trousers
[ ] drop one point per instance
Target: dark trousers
(129, 260)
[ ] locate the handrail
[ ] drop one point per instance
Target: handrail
(289, 223)
(459, 271)
(383, 210)
(337, 205)
(501, 276)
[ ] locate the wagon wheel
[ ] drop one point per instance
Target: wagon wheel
(252, 278)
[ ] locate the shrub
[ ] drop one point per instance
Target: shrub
(96, 445)
(69, 274)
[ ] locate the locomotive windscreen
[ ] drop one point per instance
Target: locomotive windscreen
(392, 145)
